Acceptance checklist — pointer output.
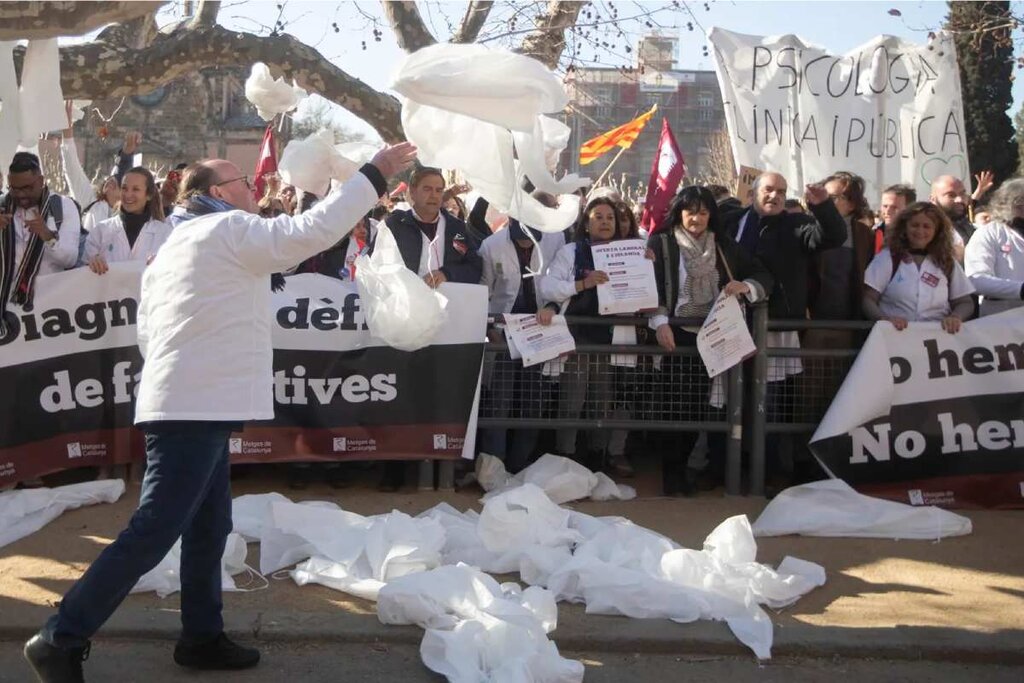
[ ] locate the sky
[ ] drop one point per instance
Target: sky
(837, 26)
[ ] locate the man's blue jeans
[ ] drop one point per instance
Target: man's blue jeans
(186, 493)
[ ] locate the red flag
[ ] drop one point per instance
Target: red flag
(267, 162)
(666, 173)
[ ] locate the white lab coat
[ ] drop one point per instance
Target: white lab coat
(109, 240)
(204, 320)
(501, 268)
(559, 283)
(58, 254)
(994, 261)
(915, 294)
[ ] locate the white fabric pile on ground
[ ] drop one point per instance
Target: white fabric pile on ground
(165, 578)
(832, 508)
(562, 479)
(427, 571)
(24, 512)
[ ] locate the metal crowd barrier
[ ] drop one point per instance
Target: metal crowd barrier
(654, 390)
(666, 398)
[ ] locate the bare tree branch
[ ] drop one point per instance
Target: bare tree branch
(28, 20)
(207, 13)
(408, 25)
(476, 15)
(101, 70)
(547, 42)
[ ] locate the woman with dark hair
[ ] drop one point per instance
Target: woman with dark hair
(138, 229)
(570, 288)
(629, 229)
(917, 277)
(694, 262)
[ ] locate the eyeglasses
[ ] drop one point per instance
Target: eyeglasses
(243, 178)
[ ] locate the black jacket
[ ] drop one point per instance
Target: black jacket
(787, 242)
(462, 263)
(666, 268)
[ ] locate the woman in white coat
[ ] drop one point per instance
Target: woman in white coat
(917, 278)
(994, 259)
(135, 232)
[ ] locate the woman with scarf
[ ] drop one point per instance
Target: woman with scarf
(135, 232)
(694, 262)
(917, 278)
(570, 288)
(994, 259)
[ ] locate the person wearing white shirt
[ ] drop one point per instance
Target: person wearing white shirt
(994, 259)
(38, 232)
(514, 265)
(917, 278)
(138, 229)
(204, 330)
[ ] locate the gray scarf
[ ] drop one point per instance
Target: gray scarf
(701, 287)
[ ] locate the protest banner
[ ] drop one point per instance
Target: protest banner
(889, 111)
(70, 368)
(931, 418)
(745, 184)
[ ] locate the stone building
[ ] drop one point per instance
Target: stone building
(603, 98)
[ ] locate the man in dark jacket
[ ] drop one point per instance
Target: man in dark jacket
(785, 243)
(434, 243)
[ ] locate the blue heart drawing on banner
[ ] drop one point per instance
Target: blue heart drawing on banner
(954, 165)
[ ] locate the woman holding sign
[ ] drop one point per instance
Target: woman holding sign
(917, 278)
(571, 288)
(694, 262)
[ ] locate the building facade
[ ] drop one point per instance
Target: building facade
(603, 98)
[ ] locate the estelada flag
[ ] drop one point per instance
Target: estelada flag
(668, 170)
(623, 137)
(267, 163)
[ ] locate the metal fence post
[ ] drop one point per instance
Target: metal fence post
(734, 437)
(759, 387)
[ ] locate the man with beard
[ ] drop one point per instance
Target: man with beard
(949, 194)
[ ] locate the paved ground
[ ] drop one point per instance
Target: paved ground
(946, 611)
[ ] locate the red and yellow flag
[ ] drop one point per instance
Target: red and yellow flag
(623, 137)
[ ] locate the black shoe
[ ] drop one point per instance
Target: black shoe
(337, 478)
(221, 653)
(54, 664)
(394, 477)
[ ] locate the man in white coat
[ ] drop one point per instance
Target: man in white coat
(204, 330)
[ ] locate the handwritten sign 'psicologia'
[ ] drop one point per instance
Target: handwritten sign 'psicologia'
(888, 110)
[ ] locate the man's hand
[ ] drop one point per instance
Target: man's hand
(666, 339)
(434, 279)
(986, 179)
(37, 226)
(951, 324)
(98, 265)
(545, 316)
(735, 288)
(131, 142)
(815, 194)
(394, 159)
(898, 323)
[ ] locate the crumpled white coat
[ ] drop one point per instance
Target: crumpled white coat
(832, 508)
(26, 511)
(165, 578)
(271, 97)
(480, 110)
(562, 479)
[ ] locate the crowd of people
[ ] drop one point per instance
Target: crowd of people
(826, 255)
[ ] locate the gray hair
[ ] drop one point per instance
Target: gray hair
(1001, 203)
(756, 185)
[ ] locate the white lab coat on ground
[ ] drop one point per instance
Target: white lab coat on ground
(994, 262)
(108, 239)
(204, 321)
(915, 293)
(501, 268)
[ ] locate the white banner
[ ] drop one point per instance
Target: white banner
(889, 111)
(928, 417)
